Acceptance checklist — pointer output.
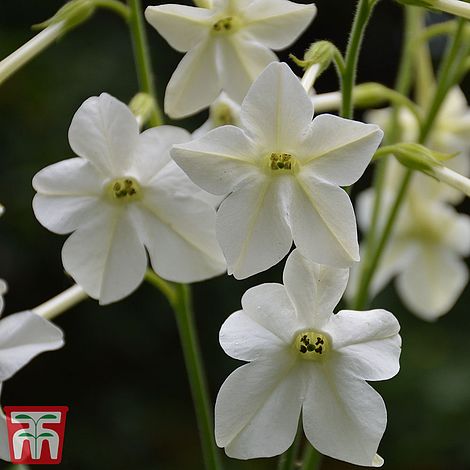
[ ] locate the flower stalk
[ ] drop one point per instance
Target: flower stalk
(142, 59)
(61, 303)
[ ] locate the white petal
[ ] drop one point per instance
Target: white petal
(252, 228)
(242, 337)
(241, 61)
(314, 289)
(106, 256)
(458, 234)
(182, 26)
(23, 336)
(338, 150)
(367, 342)
(277, 23)
(178, 230)
(152, 151)
(277, 110)
(432, 283)
(104, 131)
(343, 416)
(323, 223)
(218, 161)
(258, 407)
(3, 291)
(195, 83)
(270, 307)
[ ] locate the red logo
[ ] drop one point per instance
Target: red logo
(36, 433)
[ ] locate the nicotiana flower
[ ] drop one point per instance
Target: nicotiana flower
(450, 134)
(283, 173)
(424, 253)
(223, 111)
(305, 359)
(23, 336)
(227, 45)
(124, 195)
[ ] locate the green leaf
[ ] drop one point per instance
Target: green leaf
(46, 434)
(23, 417)
(26, 434)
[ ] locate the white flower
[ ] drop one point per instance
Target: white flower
(23, 336)
(124, 195)
(450, 134)
(424, 253)
(304, 359)
(227, 46)
(223, 111)
(283, 173)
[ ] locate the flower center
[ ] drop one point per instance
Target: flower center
(125, 189)
(282, 162)
(224, 25)
(312, 345)
(222, 115)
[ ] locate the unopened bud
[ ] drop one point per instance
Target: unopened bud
(320, 52)
(142, 105)
(72, 14)
(418, 157)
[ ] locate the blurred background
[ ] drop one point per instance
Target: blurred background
(121, 371)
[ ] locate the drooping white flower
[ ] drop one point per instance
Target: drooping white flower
(223, 111)
(450, 134)
(124, 195)
(227, 45)
(283, 173)
(23, 336)
(424, 253)
(303, 359)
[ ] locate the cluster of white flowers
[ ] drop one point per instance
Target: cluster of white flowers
(260, 175)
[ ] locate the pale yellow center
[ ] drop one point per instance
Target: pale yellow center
(222, 115)
(225, 25)
(312, 345)
(282, 162)
(125, 189)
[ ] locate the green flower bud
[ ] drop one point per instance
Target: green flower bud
(72, 14)
(142, 105)
(320, 52)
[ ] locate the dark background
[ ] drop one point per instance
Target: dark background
(121, 371)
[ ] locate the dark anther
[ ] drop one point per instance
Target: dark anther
(303, 349)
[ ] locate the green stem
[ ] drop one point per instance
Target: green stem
(142, 59)
(287, 461)
(361, 19)
(311, 459)
(446, 77)
(115, 6)
(179, 298)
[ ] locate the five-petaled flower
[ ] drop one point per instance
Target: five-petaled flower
(283, 173)
(305, 359)
(227, 46)
(428, 240)
(124, 195)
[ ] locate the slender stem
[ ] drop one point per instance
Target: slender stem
(179, 297)
(452, 178)
(287, 461)
(61, 303)
(438, 29)
(196, 375)
(116, 6)
(142, 58)
(311, 458)
(456, 7)
(361, 19)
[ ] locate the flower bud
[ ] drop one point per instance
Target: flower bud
(72, 14)
(142, 105)
(418, 157)
(320, 52)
